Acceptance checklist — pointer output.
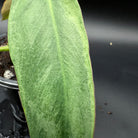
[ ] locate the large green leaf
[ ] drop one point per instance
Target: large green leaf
(49, 49)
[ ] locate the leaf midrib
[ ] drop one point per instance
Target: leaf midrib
(65, 94)
(57, 42)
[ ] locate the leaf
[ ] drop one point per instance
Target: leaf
(49, 49)
(6, 9)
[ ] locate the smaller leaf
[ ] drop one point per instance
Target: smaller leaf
(6, 9)
(4, 48)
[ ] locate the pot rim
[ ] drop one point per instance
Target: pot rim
(10, 84)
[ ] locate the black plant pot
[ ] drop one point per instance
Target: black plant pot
(12, 119)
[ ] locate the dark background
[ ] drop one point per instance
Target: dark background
(114, 8)
(115, 67)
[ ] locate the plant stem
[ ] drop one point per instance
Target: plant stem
(4, 48)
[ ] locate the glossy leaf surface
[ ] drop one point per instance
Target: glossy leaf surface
(49, 49)
(6, 9)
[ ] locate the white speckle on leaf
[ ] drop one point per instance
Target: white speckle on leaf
(110, 43)
(8, 74)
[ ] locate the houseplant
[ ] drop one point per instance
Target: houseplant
(49, 49)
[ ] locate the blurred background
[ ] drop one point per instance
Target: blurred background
(3, 24)
(112, 29)
(111, 21)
